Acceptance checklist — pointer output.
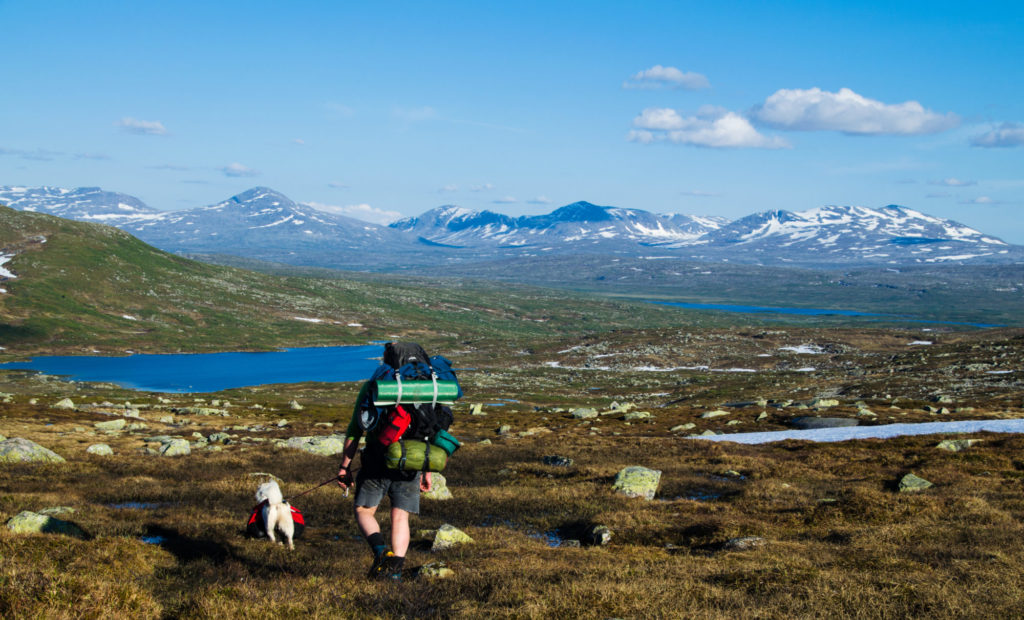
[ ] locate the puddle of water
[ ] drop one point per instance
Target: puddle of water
(551, 539)
(154, 540)
(136, 506)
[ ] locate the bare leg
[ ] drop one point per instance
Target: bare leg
(366, 520)
(399, 531)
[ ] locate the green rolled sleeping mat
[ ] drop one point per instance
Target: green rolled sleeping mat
(415, 455)
(391, 392)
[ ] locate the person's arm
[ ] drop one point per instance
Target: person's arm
(352, 435)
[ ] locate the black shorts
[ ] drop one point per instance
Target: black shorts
(404, 494)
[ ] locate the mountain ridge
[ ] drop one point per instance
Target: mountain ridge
(265, 224)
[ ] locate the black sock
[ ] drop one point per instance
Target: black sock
(377, 544)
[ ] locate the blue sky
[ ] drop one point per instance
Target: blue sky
(385, 109)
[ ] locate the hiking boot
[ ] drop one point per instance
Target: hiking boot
(381, 567)
(393, 568)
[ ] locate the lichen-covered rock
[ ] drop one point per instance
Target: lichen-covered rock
(435, 570)
(714, 414)
(28, 522)
(449, 536)
(637, 481)
(175, 447)
(584, 413)
(100, 449)
(637, 415)
(65, 403)
(439, 488)
(911, 483)
(682, 427)
(597, 535)
(222, 438)
(295, 406)
(112, 425)
(825, 403)
(18, 450)
(476, 409)
(745, 543)
(328, 445)
(957, 445)
(207, 411)
(557, 461)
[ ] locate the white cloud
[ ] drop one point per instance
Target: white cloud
(486, 187)
(337, 185)
(712, 127)
(134, 125)
(848, 112)
(699, 194)
(236, 169)
(1005, 135)
(666, 77)
(980, 200)
(539, 200)
(507, 200)
(362, 211)
(299, 141)
(953, 182)
(938, 195)
(448, 189)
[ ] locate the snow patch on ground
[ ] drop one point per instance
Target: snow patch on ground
(129, 317)
(922, 343)
(307, 319)
(883, 431)
(805, 349)
(3, 272)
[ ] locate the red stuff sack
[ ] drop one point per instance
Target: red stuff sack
(397, 424)
(256, 528)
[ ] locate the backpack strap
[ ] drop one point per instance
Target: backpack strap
(398, 378)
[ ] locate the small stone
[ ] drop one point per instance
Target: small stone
(763, 416)
(439, 488)
(18, 450)
(504, 429)
(28, 522)
(714, 414)
(957, 445)
(476, 409)
(824, 403)
(485, 442)
(637, 415)
(558, 461)
(911, 483)
(175, 447)
(682, 427)
(167, 419)
(584, 413)
(745, 543)
(65, 403)
(112, 425)
(449, 536)
(100, 449)
(733, 422)
(295, 406)
(282, 423)
(597, 535)
(636, 481)
(435, 570)
(221, 438)
(324, 446)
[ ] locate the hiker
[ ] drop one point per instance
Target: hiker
(374, 480)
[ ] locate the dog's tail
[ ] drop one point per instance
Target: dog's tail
(272, 493)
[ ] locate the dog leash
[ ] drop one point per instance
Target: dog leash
(328, 481)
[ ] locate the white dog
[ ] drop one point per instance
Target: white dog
(277, 514)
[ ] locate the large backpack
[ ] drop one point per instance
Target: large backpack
(413, 391)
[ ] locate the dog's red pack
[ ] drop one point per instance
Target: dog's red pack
(257, 529)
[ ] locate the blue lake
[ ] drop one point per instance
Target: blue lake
(808, 312)
(212, 372)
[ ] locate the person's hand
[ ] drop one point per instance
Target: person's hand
(344, 478)
(426, 484)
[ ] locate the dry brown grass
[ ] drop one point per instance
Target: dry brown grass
(841, 542)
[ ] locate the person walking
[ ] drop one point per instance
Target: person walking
(373, 482)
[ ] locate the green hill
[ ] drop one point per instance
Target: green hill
(83, 287)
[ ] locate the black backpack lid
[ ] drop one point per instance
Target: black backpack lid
(398, 354)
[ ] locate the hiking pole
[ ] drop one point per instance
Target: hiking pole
(328, 481)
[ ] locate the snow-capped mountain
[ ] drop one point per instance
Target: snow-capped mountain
(90, 204)
(579, 224)
(847, 234)
(262, 223)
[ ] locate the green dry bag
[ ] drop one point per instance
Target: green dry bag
(415, 455)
